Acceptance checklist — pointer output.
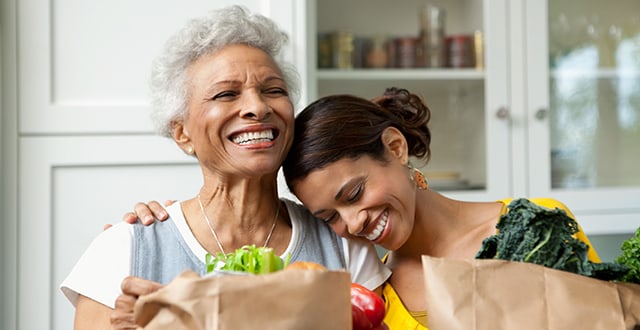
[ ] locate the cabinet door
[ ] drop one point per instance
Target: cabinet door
(84, 65)
(470, 119)
(584, 110)
(69, 189)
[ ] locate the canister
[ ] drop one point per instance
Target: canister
(361, 46)
(342, 47)
(432, 31)
(478, 49)
(377, 54)
(325, 53)
(460, 51)
(406, 52)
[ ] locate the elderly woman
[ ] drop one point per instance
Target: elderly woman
(222, 94)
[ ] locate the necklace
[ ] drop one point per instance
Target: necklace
(215, 235)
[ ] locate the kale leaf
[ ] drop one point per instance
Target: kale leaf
(535, 234)
(631, 257)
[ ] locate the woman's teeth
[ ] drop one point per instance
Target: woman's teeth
(377, 231)
(253, 137)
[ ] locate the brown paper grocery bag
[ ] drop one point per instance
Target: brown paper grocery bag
(289, 299)
(498, 294)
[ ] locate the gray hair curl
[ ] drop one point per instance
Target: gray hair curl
(205, 35)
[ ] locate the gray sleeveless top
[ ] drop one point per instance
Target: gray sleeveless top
(160, 252)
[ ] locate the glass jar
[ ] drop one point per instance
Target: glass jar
(406, 52)
(377, 55)
(432, 41)
(342, 48)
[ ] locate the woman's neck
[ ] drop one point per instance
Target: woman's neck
(232, 216)
(244, 207)
(446, 227)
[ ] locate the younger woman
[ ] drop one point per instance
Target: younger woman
(349, 165)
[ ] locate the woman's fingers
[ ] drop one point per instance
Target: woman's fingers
(122, 316)
(158, 210)
(137, 286)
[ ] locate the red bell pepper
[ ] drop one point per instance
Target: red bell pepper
(359, 319)
(367, 309)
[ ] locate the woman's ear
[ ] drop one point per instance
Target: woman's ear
(396, 144)
(181, 136)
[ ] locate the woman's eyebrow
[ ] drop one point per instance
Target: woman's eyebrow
(346, 185)
(318, 213)
(338, 194)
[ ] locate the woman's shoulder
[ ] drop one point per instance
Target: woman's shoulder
(550, 203)
(297, 212)
(547, 202)
(115, 234)
(292, 204)
(306, 224)
(101, 267)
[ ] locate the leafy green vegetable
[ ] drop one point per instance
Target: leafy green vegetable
(534, 234)
(247, 259)
(631, 257)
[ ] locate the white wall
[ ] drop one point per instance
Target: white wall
(2, 175)
(8, 166)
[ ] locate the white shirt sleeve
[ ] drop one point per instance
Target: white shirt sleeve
(102, 267)
(363, 263)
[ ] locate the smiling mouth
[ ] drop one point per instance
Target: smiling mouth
(254, 137)
(377, 231)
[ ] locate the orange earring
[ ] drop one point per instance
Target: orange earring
(418, 178)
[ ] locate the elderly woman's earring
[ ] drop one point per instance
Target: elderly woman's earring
(190, 150)
(417, 178)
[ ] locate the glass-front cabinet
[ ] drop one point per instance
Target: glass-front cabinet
(528, 98)
(584, 107)
(452, 53)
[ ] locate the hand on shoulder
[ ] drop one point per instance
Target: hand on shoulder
(147, 213)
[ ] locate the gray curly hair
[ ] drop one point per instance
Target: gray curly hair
(203, 36)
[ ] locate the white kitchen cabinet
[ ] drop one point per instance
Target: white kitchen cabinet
(470, 124)
(69, 189)
(583, 110)
(516, 126)
(84, 66)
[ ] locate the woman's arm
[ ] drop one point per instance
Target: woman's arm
(91, 314)
(94, 282)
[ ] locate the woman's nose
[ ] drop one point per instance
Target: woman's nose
(356, 221)
(254, 106)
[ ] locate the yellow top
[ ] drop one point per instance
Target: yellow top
(398, 317)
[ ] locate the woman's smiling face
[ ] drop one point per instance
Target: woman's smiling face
(240, 115)
(363, 198)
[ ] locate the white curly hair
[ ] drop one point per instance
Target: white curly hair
(205, 35)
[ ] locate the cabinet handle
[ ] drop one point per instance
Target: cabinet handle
(541, 113)
(502, 113)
